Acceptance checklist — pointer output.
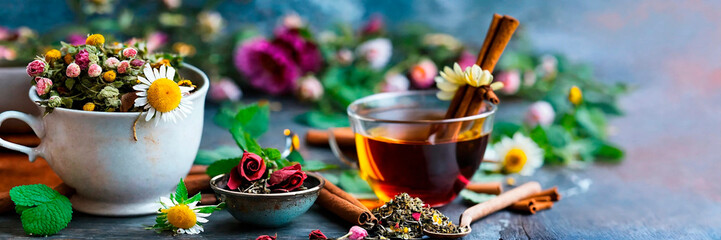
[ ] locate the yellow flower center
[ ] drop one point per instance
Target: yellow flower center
(514, 161)
(95, 39)
(109, 76)
(164, 95)
(181, 216)
(52, 55)
(575, 96)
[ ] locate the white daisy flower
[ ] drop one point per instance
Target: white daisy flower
(451, 79)
(161, 96)
(518, 155)
(182, 218)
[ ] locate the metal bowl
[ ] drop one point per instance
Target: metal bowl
(273, 209)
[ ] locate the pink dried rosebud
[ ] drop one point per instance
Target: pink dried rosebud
(123, 66)
(130, 52)
(316, 235)
(423, 73)
(540, 112)
(73, 70)
(266, 237)
(36, 68)
(112, 62)
(286, 179)
(94, 70)
(310, 88)
(416, 216)
(225, 89)
(137, 62)
(43, 85)
(357, 233)
(511, 81)
(82, 59)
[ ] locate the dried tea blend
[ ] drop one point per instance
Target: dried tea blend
(405, 217)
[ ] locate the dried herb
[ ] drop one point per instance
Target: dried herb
(405, 217)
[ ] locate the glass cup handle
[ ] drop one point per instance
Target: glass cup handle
(34, 123)
(337, 152)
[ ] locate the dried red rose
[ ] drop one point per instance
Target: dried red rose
(250, 168)
(316, 234)
(266, 237)
(286, 179)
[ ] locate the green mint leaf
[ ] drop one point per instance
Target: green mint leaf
(272, 153)
(32, 195)
(222, 166)
(181, 192)
(351, 182)
(43, 211)
(608, 152)
(316, 165)
(195, 198)
(245, 141)
(253, 118)
(501, 129)
(295, 156)
(322, 120)
(475, 197)
(206, 157)
(211, 209)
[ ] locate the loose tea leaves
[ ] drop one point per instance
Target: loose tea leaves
(406, 217)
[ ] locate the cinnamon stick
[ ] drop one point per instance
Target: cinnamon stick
(196, 183)
(198, 169)
(344, 209)
(524, 206)
(487, 188)
(543, 205)
(343, 136)
(551, 192)
(208, 199)
(332, 188)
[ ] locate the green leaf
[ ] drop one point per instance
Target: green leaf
(181, 192)
(507, 129)
(317, 119)
(70, 83)
(206, 157)
(475, 197)
(609, 152)
(351, 182)
(245, 141)
(317, 165)
(253, 118)
(222, 166)
(195, 198)
(295, 156)
(43, 211)
(272, 153)
(211, 209)
(593, 121)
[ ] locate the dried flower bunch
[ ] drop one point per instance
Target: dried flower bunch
(99, 77)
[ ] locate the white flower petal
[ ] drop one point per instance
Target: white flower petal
(163, 70)
(141, 94)
(184, 89)
(166, 201)
(141, 87)
(149, 73)
(171, 73)
(203, 215)
(496, 85)
(149, 114)
(445, 95)
(447, 86)
(156, 73)
(201, 220)
(141, 101)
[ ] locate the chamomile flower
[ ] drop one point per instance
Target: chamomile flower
(518, 155)
(449, 81)
(183, 218)
(161, 96)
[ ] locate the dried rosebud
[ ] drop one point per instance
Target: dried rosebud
(287, 179)
(36, 68)
(225, 89)
(540, 113)
(112, 62)
(511, 81)
(250, 168)
(137, 62)
(416, 216)
(357, 233)
(130, 52)
(94, 70)
(316, 235)
(123, 66)
(83, 59)
(310, 88)
(73, 70)
(423, 73)
(266, 237)
(43, 85)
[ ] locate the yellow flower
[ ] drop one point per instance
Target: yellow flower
(161, 96)
(186, 83)
(518, 155)
(575, 95)
(162, 62)
(52, 55)
(164, 95)
(181, 216)
(475, 76)
(184, 49)
(89, 106)
(95, 40)
(437, 219)
(68, 58)
(109, 76)
(449, 81)
(514, 161)
(511, 181)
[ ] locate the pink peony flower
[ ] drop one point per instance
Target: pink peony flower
(225, 89)
(36, 68)
(123, 66)
(94, 70)
(466, 60)
(130, 52)
(374, 25)
(305, 53)
(540, 112)
(156, 40)
(112, 62)
(357, 233)
(423, 73)
(395, 82)
(82, 59)
(73, 70)
(75, 39)
(43, 85)
(267, 66)
(137, 63)
(310, 88)
(511, 81)
(376, 51)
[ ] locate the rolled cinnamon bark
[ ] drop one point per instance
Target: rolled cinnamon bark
(344, 209)
(524, 206)
(196, 183)
(551, 192)
(198, 169)
(543, 205)
(332, 188)
(343, 136)
(208, 199)
(487, 188)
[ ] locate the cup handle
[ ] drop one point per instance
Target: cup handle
(337, 152)
(34, 123)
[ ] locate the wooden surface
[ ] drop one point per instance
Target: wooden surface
(667, 188)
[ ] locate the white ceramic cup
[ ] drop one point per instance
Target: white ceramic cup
(94, 152)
